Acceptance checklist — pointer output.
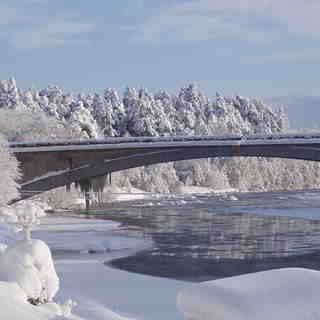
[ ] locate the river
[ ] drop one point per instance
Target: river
(202, 237)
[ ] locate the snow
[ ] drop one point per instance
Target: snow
(187, 118)
(89, 289)
(203, 190)
(27, 215)
(103, 289)
(14, 305)
(29, 264)
(9, 173)
(114, 194)
(158, 143)
(290, 293)
(102, 292)
(106, 293)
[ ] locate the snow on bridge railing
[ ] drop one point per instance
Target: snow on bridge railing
(126, 140)
(120, 140)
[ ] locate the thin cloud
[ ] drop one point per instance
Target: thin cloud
(9, 16)
(55, 33)
(246, 20)
(288, 56)
(27, 24)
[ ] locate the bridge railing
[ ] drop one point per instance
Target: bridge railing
(123, 140)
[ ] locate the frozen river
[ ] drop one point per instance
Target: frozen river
(193, 238)
(213, 236)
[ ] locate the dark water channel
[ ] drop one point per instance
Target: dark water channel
(208, 237)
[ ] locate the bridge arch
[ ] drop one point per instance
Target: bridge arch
(169, 154)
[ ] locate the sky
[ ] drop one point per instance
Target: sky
(254, 48)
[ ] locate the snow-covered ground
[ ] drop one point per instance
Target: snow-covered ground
(80, 249)
(103, 292)
(116, 194)
(284, 294)
(203, 190)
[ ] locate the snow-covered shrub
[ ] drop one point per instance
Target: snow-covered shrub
(28, 262)
(28, 216)
(57, 198)
(18, 125)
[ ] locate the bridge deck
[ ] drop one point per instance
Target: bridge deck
(158, 142)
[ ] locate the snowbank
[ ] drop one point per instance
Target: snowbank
(105, 293)
(201, 190)
(120, 194)
(290, 293)
(14, 305)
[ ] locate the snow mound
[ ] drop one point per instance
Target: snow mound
(14, 306)
(290, 293)
(30, 265)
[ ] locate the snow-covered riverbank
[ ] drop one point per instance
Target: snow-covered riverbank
(103, 292)
(116, 194)
(80, 249)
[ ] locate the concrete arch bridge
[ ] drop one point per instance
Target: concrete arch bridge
(48, 165)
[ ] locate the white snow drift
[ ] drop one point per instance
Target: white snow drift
(290, 293)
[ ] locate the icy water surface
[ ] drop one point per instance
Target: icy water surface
(209, 236)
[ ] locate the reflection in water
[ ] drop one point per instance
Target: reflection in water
(204, 243)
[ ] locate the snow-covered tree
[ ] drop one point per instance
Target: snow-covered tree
(9, 173)
(82, 122)
(116, 119)
(53, 113)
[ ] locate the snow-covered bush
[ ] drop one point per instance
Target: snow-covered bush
(27, 217)
(57, 198)
(24, 125)
(28, 262)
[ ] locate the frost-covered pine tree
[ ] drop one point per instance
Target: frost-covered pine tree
(141, 119)
(115, 112)
(82, 122)
(98, 109)
(9, 94)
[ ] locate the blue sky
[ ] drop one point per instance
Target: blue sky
(253, 48)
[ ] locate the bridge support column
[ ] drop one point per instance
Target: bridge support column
(87, 199)
(110, 178)
(86, 188)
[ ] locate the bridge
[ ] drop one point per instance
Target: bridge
(48, 165)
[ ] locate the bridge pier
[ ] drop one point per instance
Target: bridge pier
(87, 200)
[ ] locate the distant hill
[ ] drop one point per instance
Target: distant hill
(303, 112)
